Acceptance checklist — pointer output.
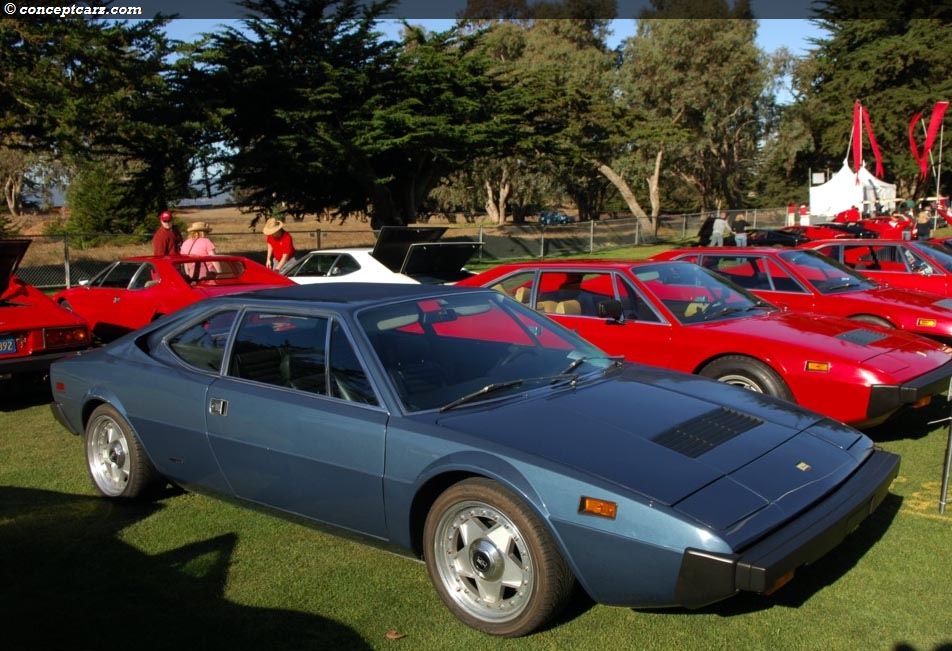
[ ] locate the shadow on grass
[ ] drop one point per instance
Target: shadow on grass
(912, 423)
(812, 578)
(71, 583)
(24, 391)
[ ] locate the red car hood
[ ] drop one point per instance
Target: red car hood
(11, 253)
(892, 351)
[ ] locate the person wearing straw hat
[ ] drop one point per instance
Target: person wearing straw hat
(280, 245)
(198, 243)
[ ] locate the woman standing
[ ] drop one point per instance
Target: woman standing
(280, 245)
(198, 243)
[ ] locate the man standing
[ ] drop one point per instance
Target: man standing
(167, 240)
(720, 229)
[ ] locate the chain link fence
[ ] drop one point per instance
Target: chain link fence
(62, 261)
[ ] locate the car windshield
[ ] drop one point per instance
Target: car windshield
(937, 253)
(695, 295)
(825, 274)
(463, 348)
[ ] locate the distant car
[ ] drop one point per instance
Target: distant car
(679, 316)
(402, 255)
(34, 330)
(797, 235)
(808, 281)
(554, 218)
(886, 227)
(922, 265)
(134, 291)
(460, 427)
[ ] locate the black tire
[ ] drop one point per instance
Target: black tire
(874, 320)
(116, 462)
(476, 579)
(750, 374)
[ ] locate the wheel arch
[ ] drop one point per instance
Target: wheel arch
(459, 467)
(875, 319)
(772, 363)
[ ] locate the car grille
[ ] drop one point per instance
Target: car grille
(705, 432)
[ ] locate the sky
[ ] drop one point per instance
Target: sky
(793, 33)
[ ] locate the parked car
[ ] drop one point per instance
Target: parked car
(554, 218)
(473, 432)
(887, 227)
(808, 281)
(401, 255)
(134, 291)
(797, 235)
(34, 330)
(680, 316)
(922, 265)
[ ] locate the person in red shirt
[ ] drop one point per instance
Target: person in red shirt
(167, 240)
(280, 245)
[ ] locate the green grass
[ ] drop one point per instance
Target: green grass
(190, 572)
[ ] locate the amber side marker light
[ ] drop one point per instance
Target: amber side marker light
(925, 323)
(818, 367)
(779, 583)
(602, 508)
(922, 402)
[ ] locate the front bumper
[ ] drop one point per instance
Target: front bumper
(707, 577)
(885, 399)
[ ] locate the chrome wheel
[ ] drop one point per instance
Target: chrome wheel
(484, 562)
(492, 560)
(742, 381)
(116, 461)
(107, 453)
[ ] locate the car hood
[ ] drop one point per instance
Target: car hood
(831, 339)
(221, 290)
(894, 295)
(11, 253)
(416, 252)
(737, 461)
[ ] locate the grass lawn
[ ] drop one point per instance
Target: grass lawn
(190, 572)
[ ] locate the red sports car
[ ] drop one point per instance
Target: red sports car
(681, 316)
(807, 281)
(34, 330)
(922, 265)
(887, 227)
(134, 291)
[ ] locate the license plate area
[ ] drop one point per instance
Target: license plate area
(8, 346)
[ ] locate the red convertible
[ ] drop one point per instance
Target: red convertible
(134, 291)
(923, 265)
(807, 281)
(34, 330)
(683, 317)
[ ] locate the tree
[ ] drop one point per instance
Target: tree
(895, 66)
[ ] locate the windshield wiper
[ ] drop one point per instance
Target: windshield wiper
(479, 393)
(727, 309)
(843, 285)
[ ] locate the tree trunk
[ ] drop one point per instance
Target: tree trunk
(623, 189)
(11, 192)
(654, 189)
(496, 206)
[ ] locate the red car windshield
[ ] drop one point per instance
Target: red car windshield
(826, 275)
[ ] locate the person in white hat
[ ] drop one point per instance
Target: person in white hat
(280, 245)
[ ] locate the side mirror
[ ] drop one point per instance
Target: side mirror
(84, 282)
(610, 309)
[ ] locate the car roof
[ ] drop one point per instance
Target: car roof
(348, 294)
(181, 258)
(618, 263)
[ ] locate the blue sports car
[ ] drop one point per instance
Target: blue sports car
(471, 431)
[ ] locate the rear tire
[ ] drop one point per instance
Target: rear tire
(748, 373)
(115, 459)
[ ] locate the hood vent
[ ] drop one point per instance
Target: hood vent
(862, 336)
(707, 431)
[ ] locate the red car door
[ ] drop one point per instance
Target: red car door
(116, 299)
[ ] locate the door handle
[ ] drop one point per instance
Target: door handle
(218, 407)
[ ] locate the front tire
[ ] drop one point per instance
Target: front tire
(748, 373)
(115, 459)
(493, 561)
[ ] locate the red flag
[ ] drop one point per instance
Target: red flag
(912, 139)
(935, 123)
(873, 145)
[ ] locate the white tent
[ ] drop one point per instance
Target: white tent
(846, 188)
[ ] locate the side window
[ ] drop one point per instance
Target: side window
(634, 305)
(781, 281)
(144, 277)
(120, 275)
(318, 264)
(348, 380)
(281, 349)
(345, 265)
(203, 344)
(518, 286)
